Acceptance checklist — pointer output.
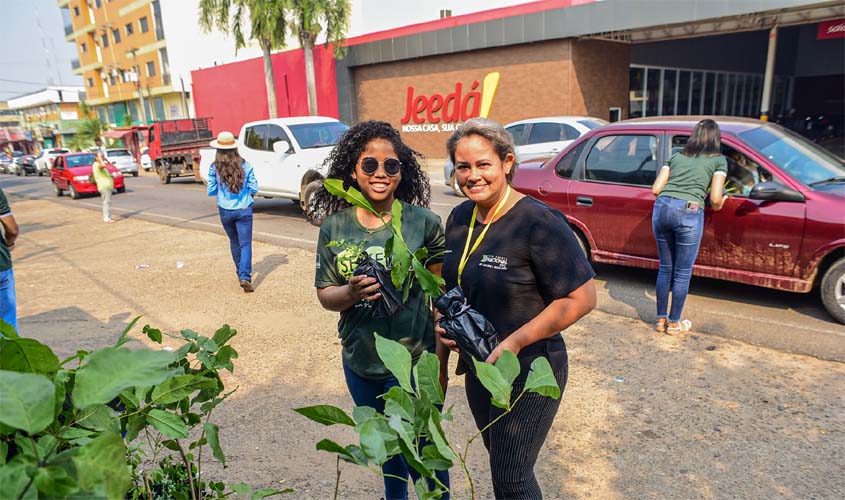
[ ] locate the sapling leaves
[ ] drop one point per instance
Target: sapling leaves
(108, 371)
(352, 195)
(351, 453)
(326, 415)
(26, 400)
(212, 435)
(168, 424)
(27, 356)
(508, 366)
(180, 387)
(541, 379)
(493, 380)
(427, 377)
(361, 414)
(398, 402)
(397, 359)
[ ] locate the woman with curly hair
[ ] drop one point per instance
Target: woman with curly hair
(372, 158)
(232, 181)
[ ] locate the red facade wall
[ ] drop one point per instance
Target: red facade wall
(233, 94)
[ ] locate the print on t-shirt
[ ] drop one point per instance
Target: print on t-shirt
(496, 262)
(347, 260)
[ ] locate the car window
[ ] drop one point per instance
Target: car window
(623, 159)
(592, 123)
(544, 132)
(274, 133)
(118, 152)
(517, 132)
(567, 164)
(797, 156)
(255, 138)
(743, 172)
(318, 135)
(570, 133)
(80, 160)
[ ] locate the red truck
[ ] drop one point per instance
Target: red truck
(174, 147)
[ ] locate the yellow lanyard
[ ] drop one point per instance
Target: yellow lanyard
(467, 250)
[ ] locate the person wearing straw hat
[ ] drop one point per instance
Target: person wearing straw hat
(232, 180)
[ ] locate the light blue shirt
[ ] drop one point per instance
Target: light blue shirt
(227, 199)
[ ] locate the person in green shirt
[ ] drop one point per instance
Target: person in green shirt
(678, 217)
(105, 183)
(8, 306)
(372, 158)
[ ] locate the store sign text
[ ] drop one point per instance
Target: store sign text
(438, 113)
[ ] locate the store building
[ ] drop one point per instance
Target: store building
(49, 116)
(609, 59)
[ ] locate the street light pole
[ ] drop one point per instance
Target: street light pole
(137, 70)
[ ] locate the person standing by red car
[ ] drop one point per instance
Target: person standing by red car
(105, 184)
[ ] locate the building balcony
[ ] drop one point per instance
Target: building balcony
(84, 29)
(63, 3)
(88, 67)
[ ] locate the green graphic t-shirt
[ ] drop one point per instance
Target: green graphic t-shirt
(412, 326)
(5, 256)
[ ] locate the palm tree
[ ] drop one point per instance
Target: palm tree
(268, 26)
(89, 132)
(308, 18)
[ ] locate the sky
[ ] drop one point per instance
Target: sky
(34, 53)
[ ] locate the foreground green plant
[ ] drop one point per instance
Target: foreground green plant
(413, 416)
(73, 432)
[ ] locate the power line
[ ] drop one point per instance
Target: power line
(21, 81)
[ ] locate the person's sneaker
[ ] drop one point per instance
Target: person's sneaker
(247, 286)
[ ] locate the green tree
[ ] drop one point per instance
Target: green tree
(267, 23)
(308, 19)
(89, 132)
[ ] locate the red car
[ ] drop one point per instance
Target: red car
(70, 172)
(783, 226)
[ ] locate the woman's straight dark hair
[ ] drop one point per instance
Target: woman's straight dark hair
(706, 139)
(229, 169)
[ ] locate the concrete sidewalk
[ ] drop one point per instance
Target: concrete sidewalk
(644, 415)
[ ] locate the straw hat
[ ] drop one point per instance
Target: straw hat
(225, 140)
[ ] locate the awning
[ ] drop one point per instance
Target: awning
(117, 134)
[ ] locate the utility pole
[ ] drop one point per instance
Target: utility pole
(137, 70)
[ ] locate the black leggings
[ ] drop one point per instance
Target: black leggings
(515, 441)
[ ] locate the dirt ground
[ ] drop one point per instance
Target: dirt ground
(643, 416)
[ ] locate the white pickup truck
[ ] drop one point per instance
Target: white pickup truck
(287, 154)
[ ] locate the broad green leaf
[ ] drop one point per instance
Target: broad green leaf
(154, 334)
(494, 382)
(427, 377)
(176, 388)
(212, 434)
(95, 418)
(7, 330)
(46, 446)
(26, 401)
(223, 334)
(421, 254)
(433, 460)
(134, 425)
(101, 467)
(27, 356)
(54, 482)
(108, 371)
(372, 441)
(60, 382)
(4, 449)
(508, 366)
(129, 398)
(400, 261)
(72, 433)
(361, 414)
(430, 282)
(326, 415)
(123, 335)
(425, 492)
(406, 444)
(541, 379)
(351, 453)
(188, 334)
(436, 435)
(269, 492)
(168, 424)
(14, 481)
(352, 195)
(241, 489)
(397, 359)
(398, 402)
(210, 345)
(224, 356)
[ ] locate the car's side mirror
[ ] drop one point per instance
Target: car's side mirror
(281, 147)
(774, 191)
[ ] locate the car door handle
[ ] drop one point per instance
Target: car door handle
(584, 201)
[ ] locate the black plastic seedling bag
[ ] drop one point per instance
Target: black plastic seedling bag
(475, 336)
(390, 301)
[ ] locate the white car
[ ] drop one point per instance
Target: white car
(146, 163)
(122, 159)
(44, 160)
(537, 138)
(287, 154)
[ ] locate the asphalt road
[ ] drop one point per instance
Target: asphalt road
(789, 322)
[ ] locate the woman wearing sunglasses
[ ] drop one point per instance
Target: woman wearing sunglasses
(372, 158)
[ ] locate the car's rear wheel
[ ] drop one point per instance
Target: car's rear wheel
(308, 193)
(582, 242)
(134, 174)
(74, 194)
(833, 290)
(121, 189)
(40, 173)
(57, 190)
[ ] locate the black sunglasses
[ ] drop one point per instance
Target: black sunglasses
(369, 165)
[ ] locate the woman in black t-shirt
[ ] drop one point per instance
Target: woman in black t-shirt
(528, 276)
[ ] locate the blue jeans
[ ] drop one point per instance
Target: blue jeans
(238, 227)
(678, 231)
(8, 307)
(366, 392)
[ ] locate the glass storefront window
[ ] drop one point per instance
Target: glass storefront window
(636, 99)
(684, 91)
(653, 76)
(670, 84)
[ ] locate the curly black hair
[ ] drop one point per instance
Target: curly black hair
(414, 187)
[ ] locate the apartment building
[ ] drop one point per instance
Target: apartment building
(123, 60)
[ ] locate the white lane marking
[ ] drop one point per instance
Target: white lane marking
(209, 224)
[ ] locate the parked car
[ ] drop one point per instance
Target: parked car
(27, 165)
(123, 160)
(287, 154)
(537, 138)
(5, 160)
(71, 172)
(14, 166)
(44, 160)
(782, 227)
(146, 162)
